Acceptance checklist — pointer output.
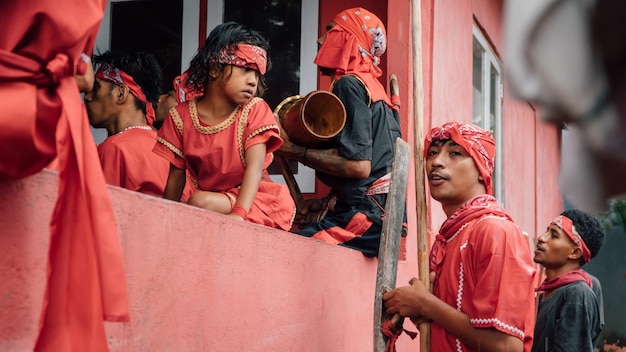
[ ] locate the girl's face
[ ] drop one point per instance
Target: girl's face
(239, 83)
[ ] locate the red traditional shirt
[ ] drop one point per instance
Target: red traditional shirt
(128, 161)
(214, 155)
(487, 273)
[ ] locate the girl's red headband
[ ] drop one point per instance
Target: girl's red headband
(245, 55)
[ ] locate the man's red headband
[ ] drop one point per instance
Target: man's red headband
(116, 76)
(566, 224)
(478, 142)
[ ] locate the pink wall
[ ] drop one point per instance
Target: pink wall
(531, 151)
(197, 280)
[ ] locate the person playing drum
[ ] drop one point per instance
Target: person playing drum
(357, 167)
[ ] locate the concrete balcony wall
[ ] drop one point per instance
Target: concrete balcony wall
(197, 281)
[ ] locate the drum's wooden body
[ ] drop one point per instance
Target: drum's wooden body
(313, 120)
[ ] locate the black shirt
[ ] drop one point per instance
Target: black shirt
(370, 133)
(568, 320)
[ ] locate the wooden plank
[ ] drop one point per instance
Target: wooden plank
(390, 237)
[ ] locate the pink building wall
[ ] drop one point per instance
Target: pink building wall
(197, 280)
(531, 149)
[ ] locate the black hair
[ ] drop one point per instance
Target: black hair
(589, 228)
(225, 35)
(143, 67)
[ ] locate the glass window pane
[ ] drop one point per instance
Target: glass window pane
(154, 26)
(493, 97)
(477, 84)
(280, 24)
(487, 101)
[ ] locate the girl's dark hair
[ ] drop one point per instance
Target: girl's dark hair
(143, 67)
(225, 35)
(589, 228)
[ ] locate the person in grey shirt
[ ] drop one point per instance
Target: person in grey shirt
(569, 316)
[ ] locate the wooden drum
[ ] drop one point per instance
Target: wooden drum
(313, 120)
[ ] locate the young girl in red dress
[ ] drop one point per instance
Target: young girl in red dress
(225, 137)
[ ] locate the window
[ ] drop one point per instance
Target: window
(487, 100)
(170, 28)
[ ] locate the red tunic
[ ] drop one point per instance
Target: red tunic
(128, 161)
(40, 47)
(214, 155)
(488, 274)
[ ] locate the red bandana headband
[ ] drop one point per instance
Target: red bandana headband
(478, 142)
(116, 76)
(183, 92)
(245, 55)
(565, 224)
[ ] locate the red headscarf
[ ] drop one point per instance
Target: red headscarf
(565, 279)
(478, 142)
(354, 46)
(116, 76)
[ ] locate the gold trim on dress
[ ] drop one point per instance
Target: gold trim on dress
(170, 146)
(242, 126)
(178, 121)
(261, 130)
(195, 119)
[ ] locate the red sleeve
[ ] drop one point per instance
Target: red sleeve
(169, 143)
(504, 277)
(262, 127)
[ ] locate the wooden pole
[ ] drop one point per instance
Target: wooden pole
(420, 184)
(290, 180)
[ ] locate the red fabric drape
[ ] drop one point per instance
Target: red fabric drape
(43, 118)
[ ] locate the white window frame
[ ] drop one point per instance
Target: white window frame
(489, 61)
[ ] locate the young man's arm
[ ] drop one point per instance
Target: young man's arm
(330, 162)
(416, 301)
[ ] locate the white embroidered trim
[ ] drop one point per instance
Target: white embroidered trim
(496, 321)
(459, 293)
(458, 232)
(491, 217)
